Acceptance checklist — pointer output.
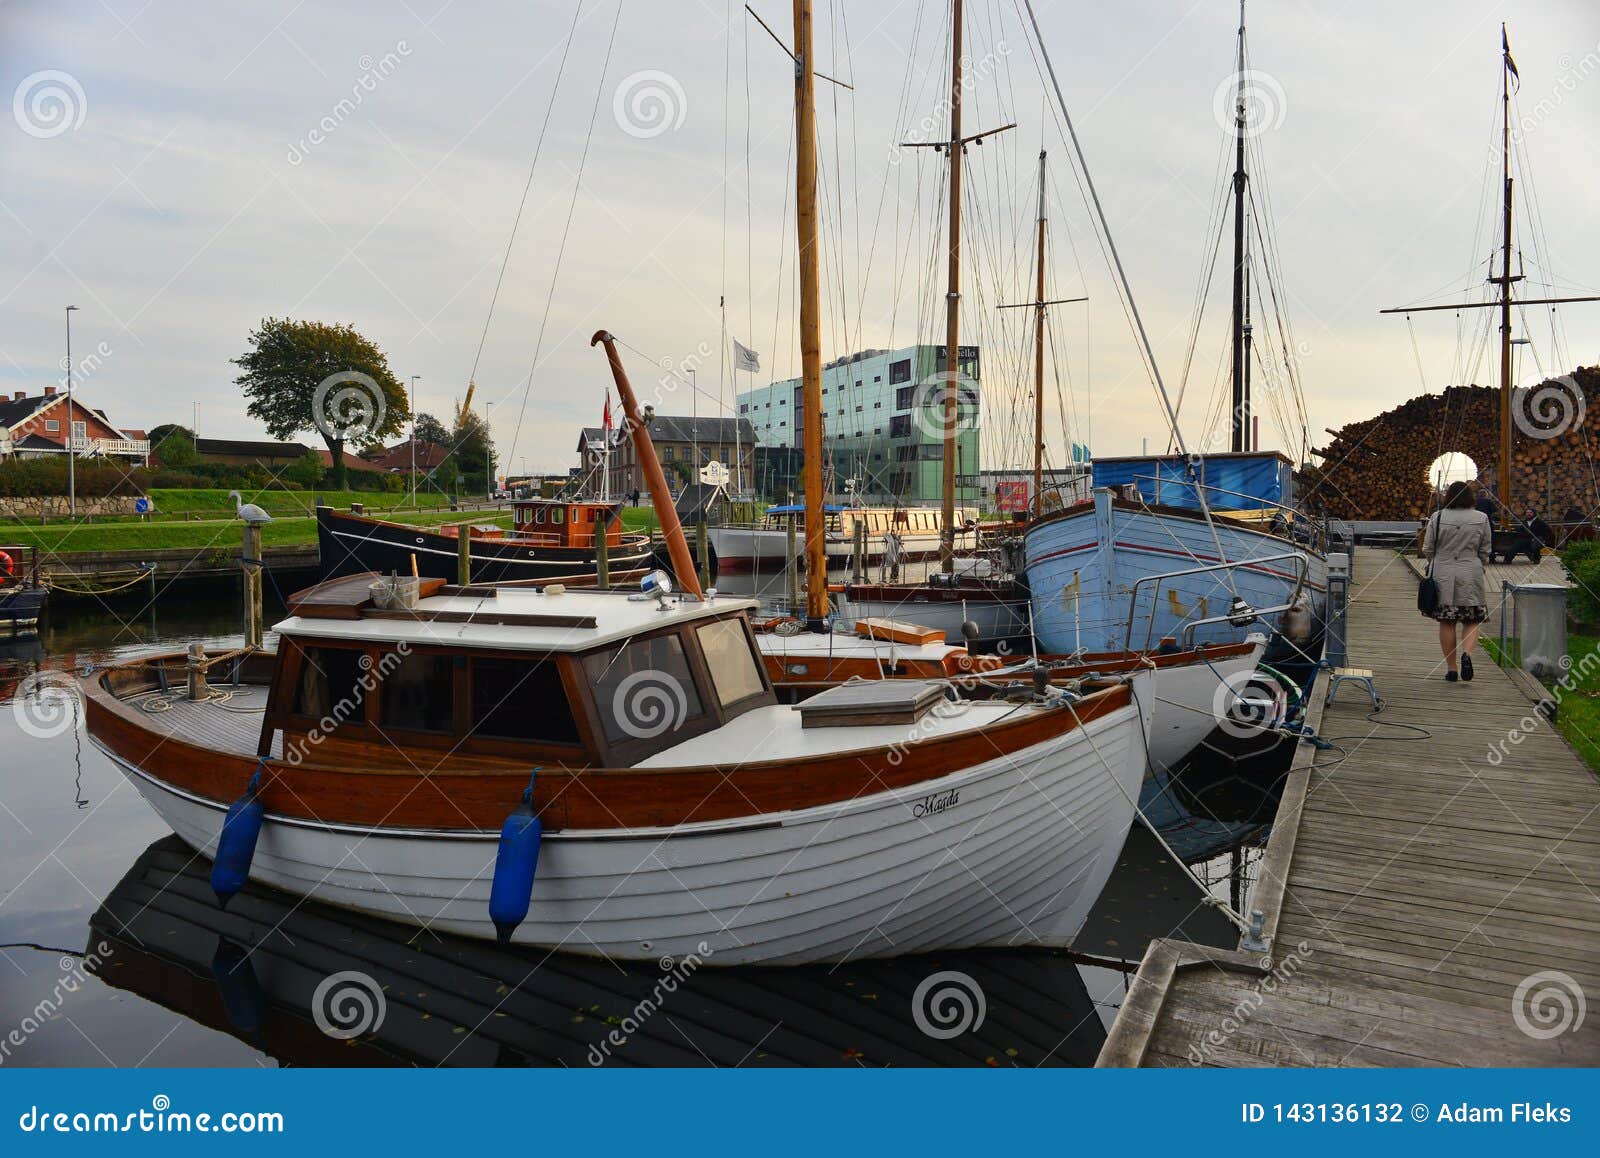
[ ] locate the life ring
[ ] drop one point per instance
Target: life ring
(8, 567)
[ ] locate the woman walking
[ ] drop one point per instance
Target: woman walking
(1457, 545)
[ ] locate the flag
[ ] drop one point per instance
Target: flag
(605, 423)
(744, 358)
(1511, 65)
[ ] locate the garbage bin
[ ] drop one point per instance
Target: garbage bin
(1539, 621)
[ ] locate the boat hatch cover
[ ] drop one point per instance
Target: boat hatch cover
(872, 702)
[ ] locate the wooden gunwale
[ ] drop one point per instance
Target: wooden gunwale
(377, 785)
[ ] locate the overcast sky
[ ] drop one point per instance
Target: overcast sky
(180, 170)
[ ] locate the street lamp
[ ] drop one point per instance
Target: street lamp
(488, 457)
(72, 451)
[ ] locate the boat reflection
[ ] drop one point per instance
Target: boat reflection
(261, 972)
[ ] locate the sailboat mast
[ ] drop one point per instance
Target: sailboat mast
(1505, 284)
(805, 124)
(1240, 427)
(1038, 360)
(952, 298)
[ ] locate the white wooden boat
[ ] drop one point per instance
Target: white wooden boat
(736, 827)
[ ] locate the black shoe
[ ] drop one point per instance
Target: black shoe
(1466, 667)
(1450, 677)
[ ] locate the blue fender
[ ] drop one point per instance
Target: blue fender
(516, 863)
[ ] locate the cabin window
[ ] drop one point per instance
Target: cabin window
(513, 699)
(644, 689)
(331, 685)
(734, 674)
(418, 692)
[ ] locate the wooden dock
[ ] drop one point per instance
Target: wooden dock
(1428, 900)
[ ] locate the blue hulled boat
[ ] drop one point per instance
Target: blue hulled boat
(1138, 562)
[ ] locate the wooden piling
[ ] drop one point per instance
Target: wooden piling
(251, 563)
(464, 554)
(702, 554)
(602, 561)
(858, 571)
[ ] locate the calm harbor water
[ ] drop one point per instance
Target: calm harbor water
(114, 952)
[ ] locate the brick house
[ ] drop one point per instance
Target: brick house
(35, 426)
(679, 443)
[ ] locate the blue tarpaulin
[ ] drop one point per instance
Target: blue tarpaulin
(1233, 481)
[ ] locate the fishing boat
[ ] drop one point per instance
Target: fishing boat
(1146, 560)
(416, 751)
(549, 539)
(1198, 547)
(22, 591)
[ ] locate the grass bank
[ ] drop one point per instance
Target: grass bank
(1578, 700)
(64, 539)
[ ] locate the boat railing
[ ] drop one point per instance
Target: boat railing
(1291, 514)
(26, 560)
(1246, 614)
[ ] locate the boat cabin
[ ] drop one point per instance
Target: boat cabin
(1245, 481)
(476, 677)
(566, 523)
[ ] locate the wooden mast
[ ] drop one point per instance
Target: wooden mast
(1504, 281)
(1038, 358)
(805, 176)
(654, 477)
(1505, 284)
(952, 300)
(1038, 305)
(1240, 426)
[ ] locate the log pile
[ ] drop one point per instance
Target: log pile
(1378, 468)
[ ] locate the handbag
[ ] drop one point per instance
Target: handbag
(1428, 589)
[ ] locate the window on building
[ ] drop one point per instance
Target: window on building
(513, 699)
(858, 410)
(931, 450)
(666, 454)
(783, 424)
(877, 377)
(900, 371)
(876, 430)
(52, 425)
(903, 397)
(418, 692)
(878, 405)
(743, 406)
(858, 383)
(905, 453)
(899, 426)
(330, 686)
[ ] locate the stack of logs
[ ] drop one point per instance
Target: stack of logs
(1378, 469)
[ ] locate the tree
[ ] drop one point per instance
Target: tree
(175, 448)
(307, 470)
(311, 376)
(430, 429)
(473, 451)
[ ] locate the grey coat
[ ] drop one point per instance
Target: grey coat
(1458, 544)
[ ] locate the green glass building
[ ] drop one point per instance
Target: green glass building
(883, 420)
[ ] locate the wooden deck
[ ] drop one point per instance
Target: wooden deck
(1426, 902)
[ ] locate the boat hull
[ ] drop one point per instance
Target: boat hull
(1009, 852)
(20, 609)
(765, 551)
(352, 544)
(1082, 565)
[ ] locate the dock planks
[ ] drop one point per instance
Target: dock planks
(1420, 894)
